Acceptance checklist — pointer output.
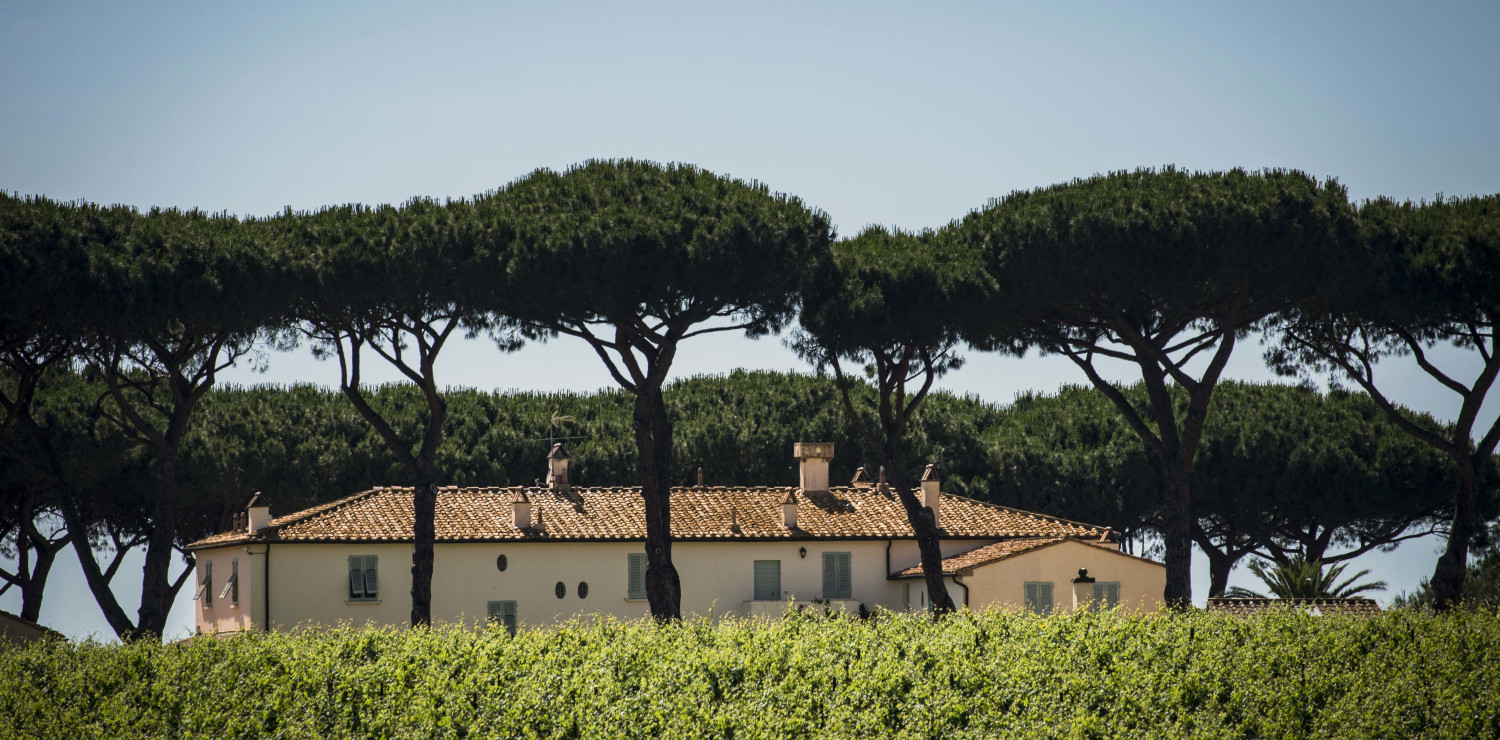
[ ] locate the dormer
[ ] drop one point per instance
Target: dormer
(861, 479)
(789, 509)
(520, 510)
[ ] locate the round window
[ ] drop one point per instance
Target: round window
(561, 590)
(501, 562)
(583, 589)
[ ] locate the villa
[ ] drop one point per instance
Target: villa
(546, 553)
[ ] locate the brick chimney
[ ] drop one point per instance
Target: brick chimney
(521, 511)
(789, 510)
(813, 470)
(557, 468)
(258, 513)
(931, 494)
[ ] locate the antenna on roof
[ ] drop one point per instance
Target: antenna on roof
(554, 425)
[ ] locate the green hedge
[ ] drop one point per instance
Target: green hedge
(1404, 674)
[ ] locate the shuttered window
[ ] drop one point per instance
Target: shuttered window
(838, 581)
(768, 580)
(364, 581)
(1106, 595)
(635, 583)
(206, 586)
(503, 612)
(232, 586)
(1039, 597)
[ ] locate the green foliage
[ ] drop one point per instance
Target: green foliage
(992, 674)
(1298, 578)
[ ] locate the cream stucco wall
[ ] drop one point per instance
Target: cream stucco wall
(1002, 583)
(309, 582)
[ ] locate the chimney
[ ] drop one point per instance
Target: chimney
(521, 511)
(258, 513)
(789, 509)
(861, 479)
(930, 492)
(557, 468)
(1083, 590)
(814, 457)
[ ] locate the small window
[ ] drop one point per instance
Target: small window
(768, 580)
(583, 589)
(561, 589)
(364, 581)
(838, 582)
(1039, 597)
(501, 563)
(1106, 595)
(504, 613)
(206, 586)
(635, 583)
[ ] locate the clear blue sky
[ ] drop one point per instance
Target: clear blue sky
(900, 114)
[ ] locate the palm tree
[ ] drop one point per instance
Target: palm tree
(1301, 579)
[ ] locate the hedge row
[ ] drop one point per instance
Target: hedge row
(1403, 674)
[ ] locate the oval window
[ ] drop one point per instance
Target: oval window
(561, 590)
(583, 589)
(501, 562)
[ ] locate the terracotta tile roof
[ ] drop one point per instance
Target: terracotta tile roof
(983, 556)
(1315, 607)
(617, 513)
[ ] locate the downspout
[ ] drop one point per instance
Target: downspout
(888, 559)
(265, 580)
(965, 587)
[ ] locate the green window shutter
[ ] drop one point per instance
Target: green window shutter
(636, 576)
(767, 580)
(503, 612)
(837, 580)
(1044, 595)
(372, 577)
(208, 584)
(1032, 596)
(1099, 591)
(232, 586)
(1112, 594)
(356, 577)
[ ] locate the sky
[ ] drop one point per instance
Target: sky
(892, 113)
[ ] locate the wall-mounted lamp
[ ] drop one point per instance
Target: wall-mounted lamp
(802, 551)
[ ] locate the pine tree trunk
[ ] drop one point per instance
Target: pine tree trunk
(929, 544)
(424, 511)
(156, 589)
(1452, 566)
(1177, 534)
(653, 439)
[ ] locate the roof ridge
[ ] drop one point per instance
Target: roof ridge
(305, 514)
(1049, 517)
